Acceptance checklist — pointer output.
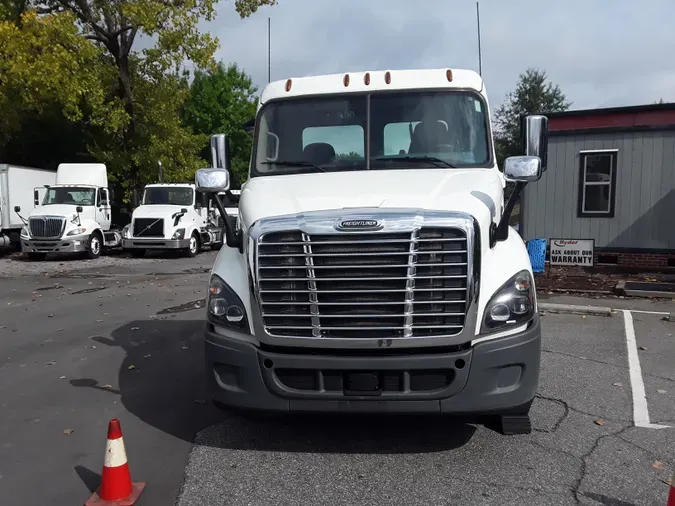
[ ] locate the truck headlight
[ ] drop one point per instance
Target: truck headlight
(178, 234)
(24, 233)
(125, 232)
(512, 304)
(77, 231)
(224, 307)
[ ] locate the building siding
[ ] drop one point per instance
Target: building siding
(645, 192)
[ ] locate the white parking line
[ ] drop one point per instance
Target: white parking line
(640, 409)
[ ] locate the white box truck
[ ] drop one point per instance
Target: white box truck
(372, 267)
(74, 216)
(20, 188)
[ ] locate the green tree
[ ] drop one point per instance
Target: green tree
(222, 100)
(80, 54)
(533, 94)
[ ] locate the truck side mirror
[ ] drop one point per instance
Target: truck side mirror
(212, 180)
(534, 130)
(522, 169)
(184, 210)
(17, 209)
(220, 152)
(79, 209)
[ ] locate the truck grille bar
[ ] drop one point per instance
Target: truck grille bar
(47, 227)
(364, 285)
(148, 227)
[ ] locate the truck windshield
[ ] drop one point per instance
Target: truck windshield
(71, 195)
(421, 129)
(161, 195)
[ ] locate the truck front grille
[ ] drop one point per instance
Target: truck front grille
(149, 227)
(46, 227)
(364, 285)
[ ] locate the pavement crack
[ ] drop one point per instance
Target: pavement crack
(569, 408)
(588, 454)
(565, 414)
(572, 355)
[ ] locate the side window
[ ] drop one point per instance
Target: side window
(98, 197)
(347, 141)
(597, 183)
(105, 199)
(397, 137)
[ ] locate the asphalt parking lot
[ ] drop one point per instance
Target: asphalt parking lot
(124, 340)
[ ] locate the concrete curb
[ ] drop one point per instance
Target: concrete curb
(572, 309)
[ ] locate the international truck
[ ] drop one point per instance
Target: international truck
(20, 188)
(372, 268)
(74, 215)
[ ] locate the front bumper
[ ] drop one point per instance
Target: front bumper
(74, 244)
(150, 243)
(492, 377)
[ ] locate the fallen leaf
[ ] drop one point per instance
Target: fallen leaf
(107, 385)
(135, 328)
(68, 431)
(99, 321)
(51, 362)
(599, 421)
(643, 348)
(618, 384)
(147, 356)
(583, 317)
(132, 366)
(62, 377)
(661, 391)
(657, 465)
(51, 316)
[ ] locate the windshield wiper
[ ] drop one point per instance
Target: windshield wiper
(439, 162)
(295, 163)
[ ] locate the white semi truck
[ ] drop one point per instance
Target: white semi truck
(21, 189)
(74, 216)
(173, 217)
(372, 267)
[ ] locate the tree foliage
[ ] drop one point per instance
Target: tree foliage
(222, 100)
(79, 57)
(533, 94)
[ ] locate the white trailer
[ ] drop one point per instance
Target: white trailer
(21, 188)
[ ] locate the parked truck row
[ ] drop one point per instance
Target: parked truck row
(70, 211)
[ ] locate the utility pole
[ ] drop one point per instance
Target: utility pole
(480, 60)
(269, 43)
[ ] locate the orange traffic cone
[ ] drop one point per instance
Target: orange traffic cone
(671, 495)
(116, 488)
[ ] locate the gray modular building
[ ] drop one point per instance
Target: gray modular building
(610, 177)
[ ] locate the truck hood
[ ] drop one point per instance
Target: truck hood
(156, 211)
(476, 191)
(66, 210)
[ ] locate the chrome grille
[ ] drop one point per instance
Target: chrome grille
(364, 285)
(47, 227)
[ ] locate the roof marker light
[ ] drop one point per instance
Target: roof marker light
(366, 78)
(345, 80)
(448, 75)
(387, 77)
(288, 85)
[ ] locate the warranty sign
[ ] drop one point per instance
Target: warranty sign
(572, 252)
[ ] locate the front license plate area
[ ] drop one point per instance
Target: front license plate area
(362, 383)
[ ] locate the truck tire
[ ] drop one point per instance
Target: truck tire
(94, 246)
(137, 253)
(195, 245)
(37, 256)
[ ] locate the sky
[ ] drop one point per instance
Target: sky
(602, 53)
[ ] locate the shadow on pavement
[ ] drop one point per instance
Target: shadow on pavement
(90, 479)
(161, 381)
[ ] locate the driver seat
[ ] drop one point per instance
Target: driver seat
(428, 136)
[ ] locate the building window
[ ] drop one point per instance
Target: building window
(597, 183)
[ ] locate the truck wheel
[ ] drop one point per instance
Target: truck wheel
(193, 248)
(37, 256)
(138, 253)
(94, 246)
